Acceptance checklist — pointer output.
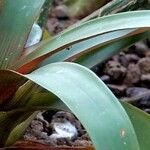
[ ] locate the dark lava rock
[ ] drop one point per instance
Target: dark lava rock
(144, 65)
(141, 49)
(61, 12)
(35, 131)
(58, 2)
(37, 125)
(79, 143)
(147, 110)
(105, 78)
(148, 54)
(116, 58)
(133, 75)
(125, 59)
(115, 70)
(118, 90)
(137, 91)
(145, 77)
(52, 25)
(145, 80)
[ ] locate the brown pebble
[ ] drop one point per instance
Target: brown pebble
(61, 12)
(115, 70)
(133, 75)
(144, 65)
(117, 89)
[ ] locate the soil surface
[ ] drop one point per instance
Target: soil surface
(126, 74)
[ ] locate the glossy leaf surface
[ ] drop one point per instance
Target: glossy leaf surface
(62, 80)
(103, 53)
(95, 27)
(16, 19)
(141, 123)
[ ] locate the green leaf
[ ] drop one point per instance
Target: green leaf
(18, 130)
(74, 51)
(8, 121)
(141, 124)
(128, 20)
(71, 83)
(16, 19)
(31, 97)
(8, 85)
(1, 4)
(101, 54)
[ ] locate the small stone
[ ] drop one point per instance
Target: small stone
(147, 110)
(115, 70)
(145, 77)
(148, 54)
(61, 12)
(141, 48)
(83, 143)
(117, 89)
(58, 2)
(29, 136)
(133, 75)
(105, 78)
(52, 25)
(116, 58)
(125, 59)
(144, 65)
(37, 125)
(137, 91)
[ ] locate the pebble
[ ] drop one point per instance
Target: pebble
(137, 91)
(61, 12)
(133, 75)
(146, 78)
(118, 90)
(126, 59)
(144, 65)
(141, 49)
(105, 78)
(115, 70)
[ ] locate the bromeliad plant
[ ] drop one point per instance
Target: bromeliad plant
(24, 89)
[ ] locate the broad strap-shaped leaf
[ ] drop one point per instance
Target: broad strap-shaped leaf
(91, 101)
(8, 85)
(95, 27)
(101, 54)
(31, 97)
(141, 124)
(28, 99)
(1, 4)
(8, 121)
(73, 52)
(16, 19)
(20, 127)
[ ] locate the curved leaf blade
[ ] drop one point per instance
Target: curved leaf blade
(16, 19)
(108, 122)
(128, 20)
(8, 121)
(141, 123)
(80, 48)
(101, 54)
(8, 85)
